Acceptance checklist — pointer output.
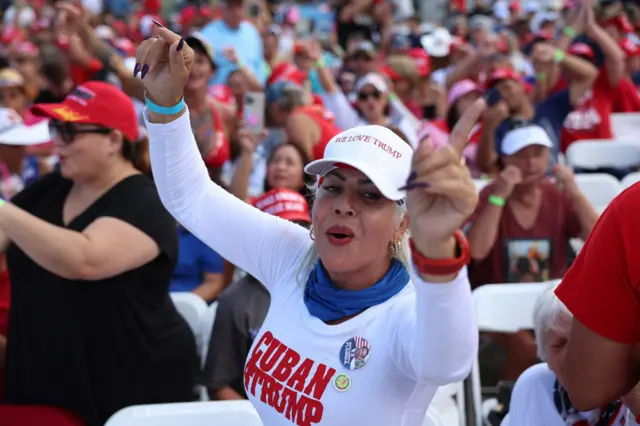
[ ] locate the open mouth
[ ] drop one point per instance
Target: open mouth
(340, 235)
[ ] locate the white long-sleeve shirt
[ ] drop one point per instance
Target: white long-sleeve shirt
(421, 338)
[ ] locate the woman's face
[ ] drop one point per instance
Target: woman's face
(87, 154)
(28, 67)
(402, 86)
(286, 169)
(237, 84)
(371, 102)
(555, 345)
(354, 223)
(14, 98)
(271, 44)
(201, 72)
(465, 101)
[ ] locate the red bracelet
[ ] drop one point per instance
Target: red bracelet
(637, 418)
(450, 266)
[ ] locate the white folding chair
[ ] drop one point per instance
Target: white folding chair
(205, 339)
(505, 308)
(625, 125)
(227, 413)
(452, 412)
(433, 418)
(599, 188)
(630, 179)
(594, 154)
(192, 308)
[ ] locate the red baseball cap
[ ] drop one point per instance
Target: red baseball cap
(502, 74)
(98, 103)
(287, 72)
(284, 203)
(582, 49)
(620, 22)
(421, 60)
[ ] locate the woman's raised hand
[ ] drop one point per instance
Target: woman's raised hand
(441, 194)
(164, 62)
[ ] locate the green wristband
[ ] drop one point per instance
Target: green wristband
(393, 96)
(496, 200)
(320, 63)
(559, 56)
(570, 31)
(541, 76)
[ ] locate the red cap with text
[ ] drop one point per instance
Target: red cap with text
(284, 203)
(98, 103)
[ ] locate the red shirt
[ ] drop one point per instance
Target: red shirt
(539, 253)
(626, 98)
(602, 288)
(591, 117)
(81, 74)
(324, 120)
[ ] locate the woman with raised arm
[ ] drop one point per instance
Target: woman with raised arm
(356, 315)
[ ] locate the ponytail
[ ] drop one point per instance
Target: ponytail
(138, 153)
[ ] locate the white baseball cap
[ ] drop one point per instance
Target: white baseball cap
(437, 43)
(373, 79)
(517, 139)
(376, 151)
(13, 131)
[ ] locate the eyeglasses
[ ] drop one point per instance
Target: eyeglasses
(68, 131)
(363, 96)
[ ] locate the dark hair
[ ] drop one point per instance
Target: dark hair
(452, 115)
(137, 153)
(400, 134)
(304, 191)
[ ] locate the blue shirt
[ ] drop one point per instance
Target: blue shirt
(248, 45)
(195, 259)
(549, 114)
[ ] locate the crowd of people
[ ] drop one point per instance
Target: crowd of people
(312, 169)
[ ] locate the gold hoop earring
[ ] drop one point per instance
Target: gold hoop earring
(394, 248)
(313, 238)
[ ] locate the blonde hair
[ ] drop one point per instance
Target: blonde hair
(311, 258)
(404, 67)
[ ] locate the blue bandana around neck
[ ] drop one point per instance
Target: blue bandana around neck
(329, 303)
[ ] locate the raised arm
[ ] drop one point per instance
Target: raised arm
(265, 246)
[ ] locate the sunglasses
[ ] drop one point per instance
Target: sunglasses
(68, 131)
(363, 96)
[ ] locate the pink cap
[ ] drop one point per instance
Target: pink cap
(462, 88)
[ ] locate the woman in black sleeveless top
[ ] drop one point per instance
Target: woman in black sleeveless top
(92, 328)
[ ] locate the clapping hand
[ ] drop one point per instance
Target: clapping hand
(230, 54)
(164, 63)
(440, 192)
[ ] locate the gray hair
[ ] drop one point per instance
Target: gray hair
(547, 310)
(292, 97)
(311, 258)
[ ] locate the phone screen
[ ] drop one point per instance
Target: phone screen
(492, 97)
(253, 111)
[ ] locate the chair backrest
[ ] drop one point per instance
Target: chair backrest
(625, 125)
(506, 307)
(206, 329)
(594, 154)
(227, 413)
(192, 308)
(599, 188)
(630, 179)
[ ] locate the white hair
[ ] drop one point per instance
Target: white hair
(311, 258)
(548, 309)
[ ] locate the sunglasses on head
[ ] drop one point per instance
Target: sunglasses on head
(68, 131)
(363, 96)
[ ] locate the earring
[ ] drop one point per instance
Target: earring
(313, 238)
(394, 248)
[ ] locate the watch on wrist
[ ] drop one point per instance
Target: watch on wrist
(427, 266)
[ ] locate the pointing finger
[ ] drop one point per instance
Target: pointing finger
(460, 133)
(165, 35)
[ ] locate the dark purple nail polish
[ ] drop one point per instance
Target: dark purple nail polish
(144, 71)
(157, 23)
(136, 70)
(412, 177)
(180, 45)
(414, 185)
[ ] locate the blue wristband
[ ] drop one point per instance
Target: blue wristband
(164, 110)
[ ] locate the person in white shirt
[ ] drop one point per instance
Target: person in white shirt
(364, 322)
(539, 397)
